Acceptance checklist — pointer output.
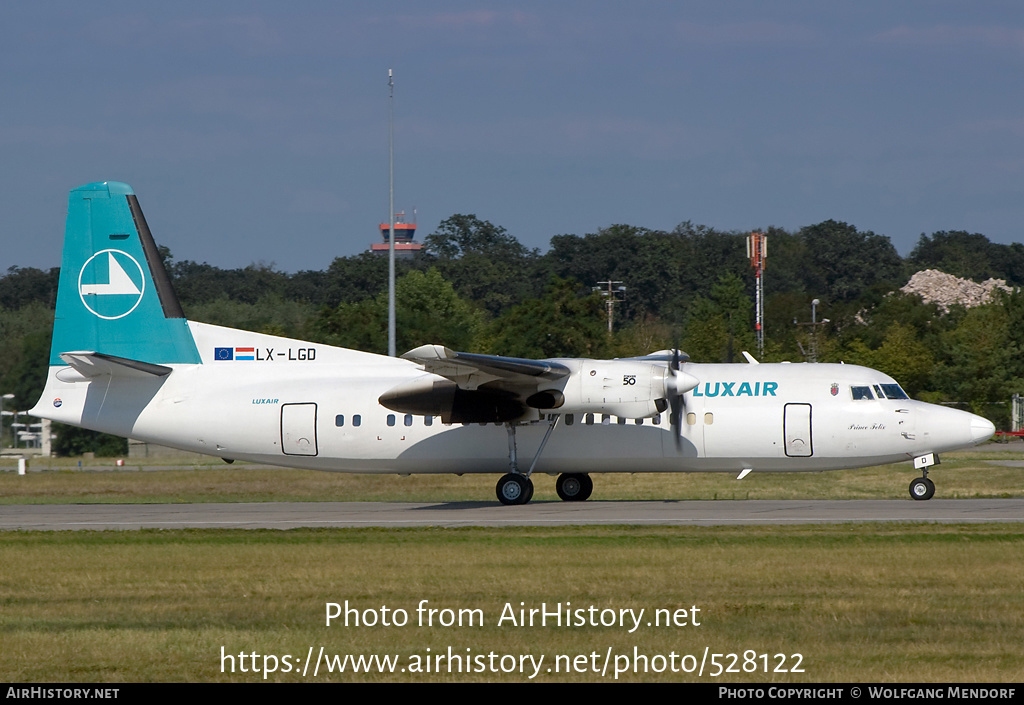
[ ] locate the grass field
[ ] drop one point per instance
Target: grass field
(966, 474)
(858, 603)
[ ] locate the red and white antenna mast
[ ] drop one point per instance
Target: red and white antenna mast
(757, 252)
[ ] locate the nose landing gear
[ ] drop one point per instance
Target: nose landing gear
(922, 488)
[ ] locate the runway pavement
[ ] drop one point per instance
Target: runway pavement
(289, 515)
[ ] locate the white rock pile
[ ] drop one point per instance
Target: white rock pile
(947, 290)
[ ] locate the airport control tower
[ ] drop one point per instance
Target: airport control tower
(404, 232)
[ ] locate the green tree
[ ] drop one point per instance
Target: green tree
(72, 441)
(720, 327)
(461, 235)
(427, 310)
(362, 276)
(483, 262)
(901, 355)
(842, 264)
(980, 361)
(968, 255)
(568, 321)
(663, 272)
(270, 314)
(22, 286)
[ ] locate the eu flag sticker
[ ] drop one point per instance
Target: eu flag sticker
(223, 353)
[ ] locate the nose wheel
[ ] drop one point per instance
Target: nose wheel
(922, 488)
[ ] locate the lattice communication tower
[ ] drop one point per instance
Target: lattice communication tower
(757, 252)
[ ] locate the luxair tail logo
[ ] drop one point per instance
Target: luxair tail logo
(111, 284)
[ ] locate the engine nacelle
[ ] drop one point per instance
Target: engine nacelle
(435, 396)
(628, 388)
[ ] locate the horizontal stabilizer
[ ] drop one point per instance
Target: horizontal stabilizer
(94, 364)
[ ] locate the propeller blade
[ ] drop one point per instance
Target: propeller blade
(677, 383)
(676, 404)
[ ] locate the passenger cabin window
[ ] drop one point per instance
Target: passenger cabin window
(339, 420)
(861, 393)
(391, 419)
(569, 419)
(428, 420)
(408, 419)
(356, 419)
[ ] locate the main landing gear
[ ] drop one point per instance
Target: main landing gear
(574, 487)
(516, 487)
(922, 488)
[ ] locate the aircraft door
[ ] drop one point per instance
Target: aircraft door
(298, 429)
(796, 427)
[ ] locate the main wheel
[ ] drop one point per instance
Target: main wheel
(574, 487)
(514, 489)
(922, 488)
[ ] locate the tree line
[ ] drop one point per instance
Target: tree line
(475, 287)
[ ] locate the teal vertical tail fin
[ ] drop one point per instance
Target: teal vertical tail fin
(114, 295)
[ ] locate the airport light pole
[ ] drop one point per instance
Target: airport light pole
(391, 206)
(3, 398)
(813, 357)
(612, 297)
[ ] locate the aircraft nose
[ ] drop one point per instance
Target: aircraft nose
(981, 429)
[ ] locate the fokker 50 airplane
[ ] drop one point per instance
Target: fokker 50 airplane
(126, 361)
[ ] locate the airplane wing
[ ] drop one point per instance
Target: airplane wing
(666, 356)
(476, 388)
(470, 370)
(472, 388)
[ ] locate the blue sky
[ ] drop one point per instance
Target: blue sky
(257, 131)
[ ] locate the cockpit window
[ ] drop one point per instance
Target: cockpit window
(894, 391)
(861, 393)
(890, 391)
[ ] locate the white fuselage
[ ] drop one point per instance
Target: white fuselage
(306, 405)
